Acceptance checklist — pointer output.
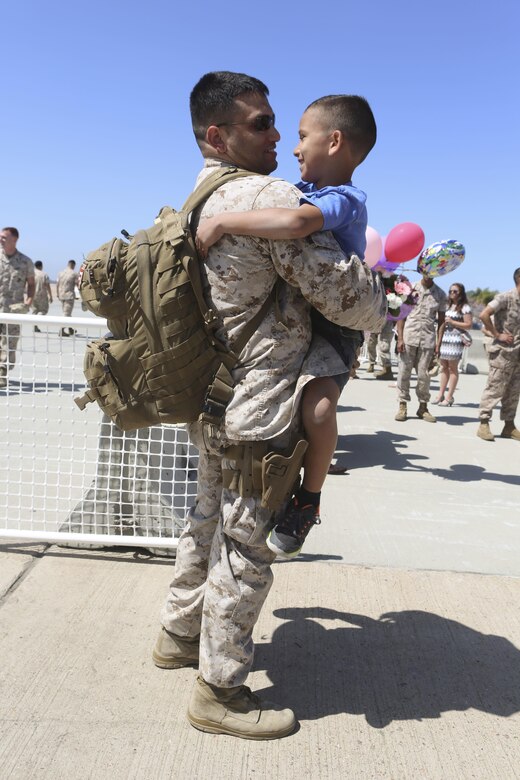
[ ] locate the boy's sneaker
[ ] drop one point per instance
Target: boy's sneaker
(287, 537)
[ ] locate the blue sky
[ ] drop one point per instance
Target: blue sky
(95, 131)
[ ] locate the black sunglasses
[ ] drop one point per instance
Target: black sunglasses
(455, 291)
(260, 123)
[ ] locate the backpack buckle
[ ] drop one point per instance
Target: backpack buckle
(210, 318)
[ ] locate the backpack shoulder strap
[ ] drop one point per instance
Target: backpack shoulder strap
(211, 183)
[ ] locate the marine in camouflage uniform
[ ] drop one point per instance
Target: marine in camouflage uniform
(221, 600)
(42, 291)
(16, 278)
(503, 383)
(418, 334)
(381, 342)
(66, 284)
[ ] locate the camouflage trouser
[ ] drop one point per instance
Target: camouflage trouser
(222, 571)
(9, 335)
(503, 385)
(382, 340)
(40, 306)
(67, 307)
(420, 359)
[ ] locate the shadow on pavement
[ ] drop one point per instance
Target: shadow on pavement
(23, 388)
(405, 665)
(309, 558)
(466, 472)
(376, 449)
(383, 448)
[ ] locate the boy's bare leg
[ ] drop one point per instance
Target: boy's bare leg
(319, 405)
(319, 414)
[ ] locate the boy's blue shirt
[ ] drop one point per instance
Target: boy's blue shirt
(344, 212)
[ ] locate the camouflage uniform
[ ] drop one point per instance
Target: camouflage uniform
(40, 304)
(419, 339)
(14, 273)
(65, 287)
(503, 384)
(383, 341)
(223, 567)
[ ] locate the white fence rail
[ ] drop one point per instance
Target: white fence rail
(72, 477)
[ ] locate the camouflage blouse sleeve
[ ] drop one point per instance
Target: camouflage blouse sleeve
(316, 264)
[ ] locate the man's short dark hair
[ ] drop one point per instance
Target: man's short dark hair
(38, 264)
(13, 231)
(212, 99)
(72, 263)
(516, 276)
(353, 116)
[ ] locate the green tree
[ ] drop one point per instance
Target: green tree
(482, 295)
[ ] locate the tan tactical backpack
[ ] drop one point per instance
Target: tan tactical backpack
(161, 361)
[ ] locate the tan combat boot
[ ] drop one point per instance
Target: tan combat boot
(401, 415)
(386, 373)
(424, 414)
(370, 368)
(237, 712)
(175, 652)
(484, 431)
(509, 431)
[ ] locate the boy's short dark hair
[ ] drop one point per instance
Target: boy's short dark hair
(38, 264)
(212, 99)
(516, 276)
(13, 231)
(353, 116)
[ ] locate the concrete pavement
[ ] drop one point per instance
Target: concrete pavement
(395, 636)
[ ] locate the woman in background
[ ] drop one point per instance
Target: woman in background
(458, 320)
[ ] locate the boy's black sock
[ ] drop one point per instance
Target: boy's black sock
(305, 497)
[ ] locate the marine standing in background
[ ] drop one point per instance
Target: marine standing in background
(501, 319)
(42, 292)
(381, 342)
(416, 344)
(65, 290)
(16, 281)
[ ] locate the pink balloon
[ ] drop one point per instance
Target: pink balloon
(404, 242)
(374, 247)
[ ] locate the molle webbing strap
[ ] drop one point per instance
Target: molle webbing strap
(206, 188)
(145, 279)
(220, 391)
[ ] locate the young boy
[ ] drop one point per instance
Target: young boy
(336, 134)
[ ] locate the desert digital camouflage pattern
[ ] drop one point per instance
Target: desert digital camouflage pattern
(503, 383)
(419, 329)
(14, 272)
(223, 566)
(241, 271)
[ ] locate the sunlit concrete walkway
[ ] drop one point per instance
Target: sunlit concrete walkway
(395, 636)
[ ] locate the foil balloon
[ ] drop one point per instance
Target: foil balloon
(441, 258)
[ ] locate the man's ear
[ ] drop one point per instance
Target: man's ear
(215, 140)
